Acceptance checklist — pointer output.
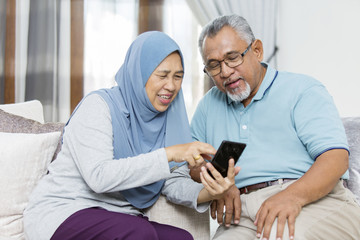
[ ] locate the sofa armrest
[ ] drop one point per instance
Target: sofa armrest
(165, 212)
(352, 128)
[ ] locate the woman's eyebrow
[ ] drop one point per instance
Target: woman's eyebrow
(163, 71)
(168, 71)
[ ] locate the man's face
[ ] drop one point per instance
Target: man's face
(240, 82)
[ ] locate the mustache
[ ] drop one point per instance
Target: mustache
(229, 80)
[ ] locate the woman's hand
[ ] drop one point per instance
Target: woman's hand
(193, 153)
(217, 187)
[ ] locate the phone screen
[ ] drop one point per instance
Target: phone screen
(227, 150)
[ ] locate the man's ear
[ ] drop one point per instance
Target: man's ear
(257, 48)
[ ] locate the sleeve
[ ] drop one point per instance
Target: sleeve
(89, 137)
(179, 188)
(317, 121)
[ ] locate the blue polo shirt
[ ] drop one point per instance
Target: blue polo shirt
(291, 120)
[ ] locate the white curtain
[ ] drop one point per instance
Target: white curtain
(110, 27)
(260, 14)
(180, 23)
(42, 55)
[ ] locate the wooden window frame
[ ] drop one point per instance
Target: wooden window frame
(147, 8)
(9, 71)
(150, 15)
(77, 53)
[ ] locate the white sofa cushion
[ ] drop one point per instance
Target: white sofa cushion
(24, 160)
(17, 124)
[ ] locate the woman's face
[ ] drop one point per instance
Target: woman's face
(165, 82)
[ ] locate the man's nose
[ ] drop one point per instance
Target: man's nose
(225, 70)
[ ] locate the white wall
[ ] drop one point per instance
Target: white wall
(322, 38)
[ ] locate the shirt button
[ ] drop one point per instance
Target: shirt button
(244, 127)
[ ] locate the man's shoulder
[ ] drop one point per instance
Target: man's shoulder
(214, 94)
(299, 79)
(214, 91)
(213, 102)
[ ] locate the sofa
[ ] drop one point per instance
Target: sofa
(28, 145)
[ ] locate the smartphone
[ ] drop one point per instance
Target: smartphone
(227, 150)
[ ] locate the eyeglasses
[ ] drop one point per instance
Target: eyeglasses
(232, 59)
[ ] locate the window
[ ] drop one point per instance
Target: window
(111, 26)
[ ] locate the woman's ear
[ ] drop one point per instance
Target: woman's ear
(257, 48)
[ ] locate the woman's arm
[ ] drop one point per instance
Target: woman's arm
(89, 138)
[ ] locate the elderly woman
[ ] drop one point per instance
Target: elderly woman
(122, 148)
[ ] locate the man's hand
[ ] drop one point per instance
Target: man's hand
(232, 205)
(215, 186)
(195, 172)
(284, 207)
(317, 182)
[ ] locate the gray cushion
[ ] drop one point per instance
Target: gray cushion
(16, 124)
(352, 128)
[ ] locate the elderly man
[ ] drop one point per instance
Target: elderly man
(293, 168)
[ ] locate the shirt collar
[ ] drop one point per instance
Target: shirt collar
(269, 77)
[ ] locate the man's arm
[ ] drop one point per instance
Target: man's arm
(232, 198)
(231, 202)
(317, 182)
(195, 173)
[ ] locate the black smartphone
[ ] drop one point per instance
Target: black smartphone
(227, 150)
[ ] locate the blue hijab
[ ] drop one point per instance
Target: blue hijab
(137, 126)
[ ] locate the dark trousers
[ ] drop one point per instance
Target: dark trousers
(100, 224)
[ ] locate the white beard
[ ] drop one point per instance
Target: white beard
(239, 97)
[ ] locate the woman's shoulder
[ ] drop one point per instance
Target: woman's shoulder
(94, 99)
(92, 108)
(93, 103)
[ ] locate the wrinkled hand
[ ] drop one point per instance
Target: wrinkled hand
(283, 206)
(195, 172)
(232, 204)
(218, 186)
(193, 153)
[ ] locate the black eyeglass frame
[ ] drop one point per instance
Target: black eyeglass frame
(242, 57)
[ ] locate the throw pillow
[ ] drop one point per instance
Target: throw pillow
(352, 129)
(16, 124)
(24, 160)
(32, 109)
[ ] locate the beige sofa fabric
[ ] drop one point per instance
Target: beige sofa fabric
(198, 224)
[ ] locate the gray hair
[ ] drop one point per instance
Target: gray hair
(239, 24)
